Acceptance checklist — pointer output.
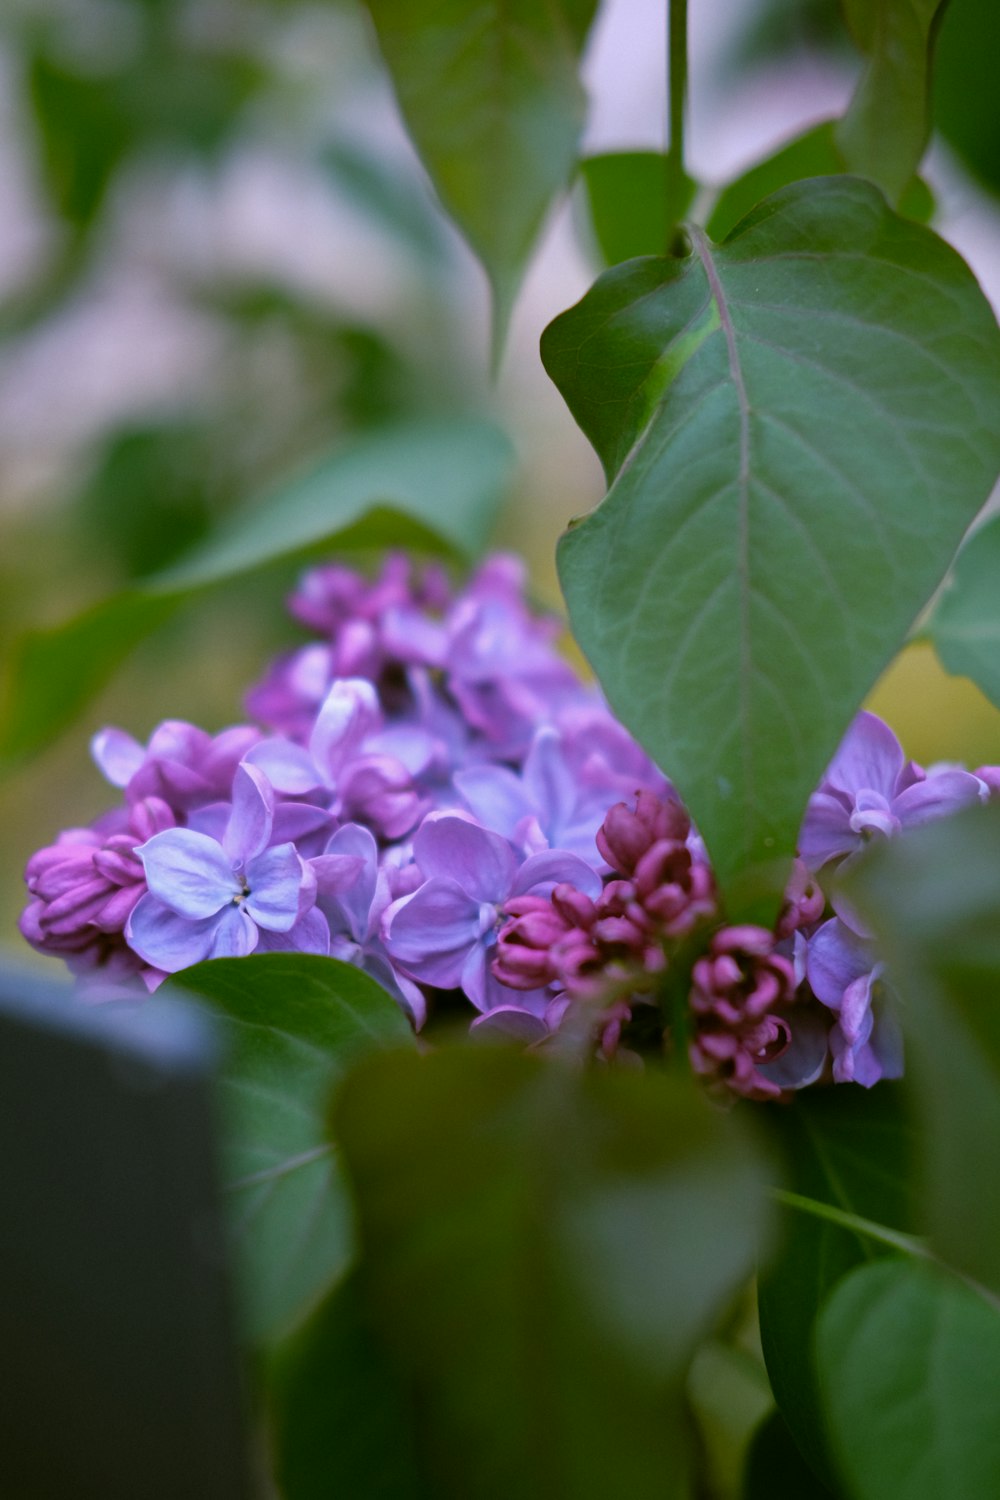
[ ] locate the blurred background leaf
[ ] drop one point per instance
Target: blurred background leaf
(432, 488)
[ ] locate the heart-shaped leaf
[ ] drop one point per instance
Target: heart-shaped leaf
(910, 1364)
(292, 1024)
(799, 425)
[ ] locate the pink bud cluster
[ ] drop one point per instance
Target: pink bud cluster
(739, 990)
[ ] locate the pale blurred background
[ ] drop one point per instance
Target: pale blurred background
(218, 255)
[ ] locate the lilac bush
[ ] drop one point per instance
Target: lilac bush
(435, 796)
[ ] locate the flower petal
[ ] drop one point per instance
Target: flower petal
(451, 846)
(870, 758)
(117, 755)
(508, 1023)
(837, 957)
(936, 797)
(188, 872)
(431, 932)
(310, 934)
(249, 826)
(495, 796)
(826, 830)
(288, 767)
(171, 942)
(541, 873)
(275, 880)
(350, 711)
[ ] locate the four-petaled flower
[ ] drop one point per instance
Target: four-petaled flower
(222, 899)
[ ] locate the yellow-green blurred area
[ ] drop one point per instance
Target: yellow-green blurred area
(219, 257)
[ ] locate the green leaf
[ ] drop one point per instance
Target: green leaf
(965, 623)
(491, 97)
(343, 1424)
(808, 412)
(932, 899)
(629, 208)
(292, 1025)
(853, 1149)
(910, 1364)
(775, 1469)
(544, 1248)
(887, 124)
(433, 487)
(813, 154)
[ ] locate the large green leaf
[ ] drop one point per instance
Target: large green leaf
(490, 93)
(910, 1364)
(544, 1248)
(798, 425)
(887, 125)
(933, 901)
(852, 1149)
(433, 487)
(965, 624)
(292, 1024)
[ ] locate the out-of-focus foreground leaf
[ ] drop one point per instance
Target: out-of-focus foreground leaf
(433, 487)
(292, 1024)
(343, 1421)
(932, 898)
(491, 97)
(808, 414)
(542, 1250)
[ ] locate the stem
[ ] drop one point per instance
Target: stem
(907, 1243)
(677, 68)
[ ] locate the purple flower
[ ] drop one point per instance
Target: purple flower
(501, 665)
(871, 791)
(844, 974)
(181, 765)
(344, 760)
(211, 899)
(353, 907)
(445, 932)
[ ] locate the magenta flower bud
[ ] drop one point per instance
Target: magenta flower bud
(627, 833)
(736, 989)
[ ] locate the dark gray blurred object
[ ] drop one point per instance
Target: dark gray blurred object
(118, 1373)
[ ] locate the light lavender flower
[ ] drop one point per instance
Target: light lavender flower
(222, 899)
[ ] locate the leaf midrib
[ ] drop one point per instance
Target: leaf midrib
(703, 251)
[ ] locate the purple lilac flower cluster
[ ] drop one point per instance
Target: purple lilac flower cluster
(431, 793)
